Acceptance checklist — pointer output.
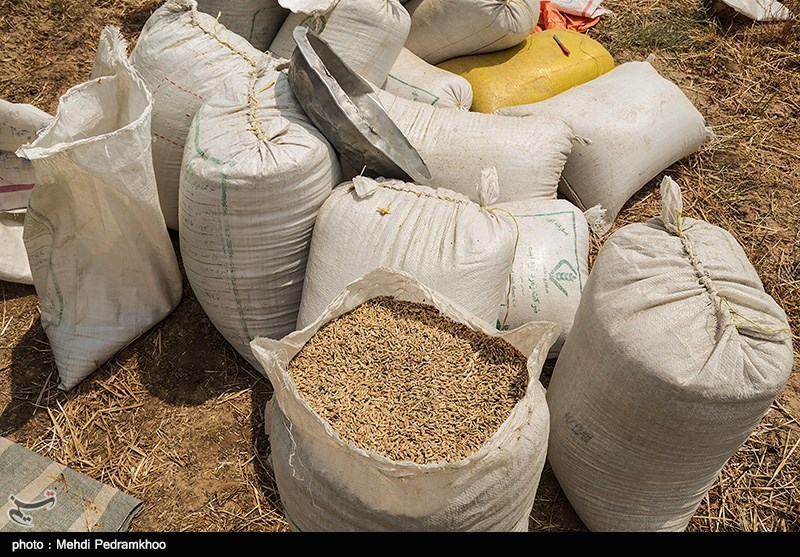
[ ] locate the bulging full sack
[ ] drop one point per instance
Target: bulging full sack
(676, 354)
(413, 78)
(101, 258)
(532, 71)
(550, 267)
(182, 55)
(449, 243)
(634, 124)
(258, 21)
(444, 29)
(456, 145)
(256, 172)
(367, 34)
(327, 484)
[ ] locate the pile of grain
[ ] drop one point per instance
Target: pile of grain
(404, 381)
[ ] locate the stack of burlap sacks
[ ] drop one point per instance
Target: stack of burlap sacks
(676, 351)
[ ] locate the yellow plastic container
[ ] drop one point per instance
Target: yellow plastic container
(531, 71)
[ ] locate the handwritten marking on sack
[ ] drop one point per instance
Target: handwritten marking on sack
(18, 514)
(168, 140)
(577, 428)
(184, 89)
(563, 272)
(41, 234)
(416, 96)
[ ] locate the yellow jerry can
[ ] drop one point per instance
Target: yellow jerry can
(532, 71)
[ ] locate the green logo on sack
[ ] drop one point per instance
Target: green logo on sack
(561, 273)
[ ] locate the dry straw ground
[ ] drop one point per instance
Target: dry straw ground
(176, 418)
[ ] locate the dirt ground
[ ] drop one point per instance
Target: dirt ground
(176, 418)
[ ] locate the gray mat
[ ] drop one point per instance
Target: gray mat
(39, 495)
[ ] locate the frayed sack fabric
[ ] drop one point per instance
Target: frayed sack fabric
(632, 124)
(451, 244)
(258, 21)
(327, 484)
(101, 258)
(367, 34)
(676, 354)
(445, 29)
(182, 55)
(550, 267)
(456, 145)
(256, 172)
(413, 78)
(532, 71)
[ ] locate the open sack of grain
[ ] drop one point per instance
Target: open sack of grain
(182, 55)
(676, 354)
(460, 248)
(367, 34)
(19, 124)
(393, 415)
(631, 124)
(256, 172)
(101, 258)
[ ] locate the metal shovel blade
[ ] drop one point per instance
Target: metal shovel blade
(344, 107)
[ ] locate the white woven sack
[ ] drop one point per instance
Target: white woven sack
(16, 181)
(101, 258)
(550, 267)
(456, 145)
(634, 124)
(445, 29)
(675, 356)
(583, 8)
(19, 124)
(258, 21)
(327, 484)
(413, 78)
(14, 265)
(182, 55)
(451, 244)
(368, 35)
(256, 172)
(761, 10)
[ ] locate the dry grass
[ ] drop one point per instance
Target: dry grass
(176, 418)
